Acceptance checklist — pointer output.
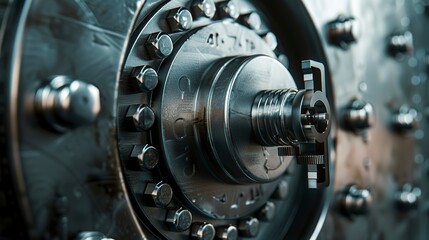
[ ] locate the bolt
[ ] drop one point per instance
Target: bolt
(140, 118)
(203, 231)
(204, 8)
(282, 190)
(407, 197)
(271, 39)
(65, 103)
(159, 45)
(147, 78)
(405, 119)
(229, 9)
(161, 193)
(267, 212)
(359, 115)
(343, 31)
(400, 44)
(179, 220)
(146, 156)
(227, 233)
(354, 201)
(249, 227)
(179, 19)
(89, 235)
(251, 20)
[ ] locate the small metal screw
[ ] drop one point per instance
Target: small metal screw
(92, 235)
(180, 19)
(249, 227)
(140, 118)
(161, 193)
(267, 212)
(407, 197)
(179, 220)
(251, 20)
(229, 9)
(343, 31)
(159, 45)
(353, 201)
(204, 8)
(146, 78)
(227, 233)
(282, 190)
(271, 39)
(400, 44)
(203, 231)
(147, 156)
(405, 120)
(359, 115)
(65, 103)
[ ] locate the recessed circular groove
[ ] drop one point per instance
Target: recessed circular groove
(183, 59)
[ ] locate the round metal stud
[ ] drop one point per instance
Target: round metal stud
(227, 233)
(249, 227)
(180, 19)
(267, 212)
(179, 220)
(146, 78)
(161, 193)
(65, 103)
(229, 9)
(203, 231)
(404, 120)
(407, 197)
(251, 20)
(271, 39)
(343, 31)
(92, 235)
(159, 45)
(400, 44)
(359, 115)
(354, 201)
(282, 190)
(204, 8)
(140, 117)
(147, 156)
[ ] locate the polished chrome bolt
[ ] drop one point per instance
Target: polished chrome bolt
(146, 78)
(89, 235)
(282, 190)
(227, 233)
(180, 19)
(179, 220)
(343, 31)
(203, 231)
(249, 227)
(65, 103)
(161, 193)
(407, 197)
(251, 20)
(204, 8)
(400, 44)
(405, 119)
(267, 212)
(140, 118)
(147, 156)
(229, 9)
(159, 45)
(359, 115)
(271, 39)
(354, 201)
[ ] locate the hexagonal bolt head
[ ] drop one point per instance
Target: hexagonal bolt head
(146, 78)
(203, 231)
(160, 194)
(180, 19)
(343, 31)
(204, 8)
(146, 156)
(401, 44)
(229, 9)
(179, 220)
(227, 233)
(65, 103)
(267, 212)
(249, 227)
(139, 118)
(159, 45)
(251, 20)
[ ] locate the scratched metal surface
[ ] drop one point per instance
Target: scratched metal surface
(77, 183)
(383, 160)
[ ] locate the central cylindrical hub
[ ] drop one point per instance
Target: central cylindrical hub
(235, 148)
